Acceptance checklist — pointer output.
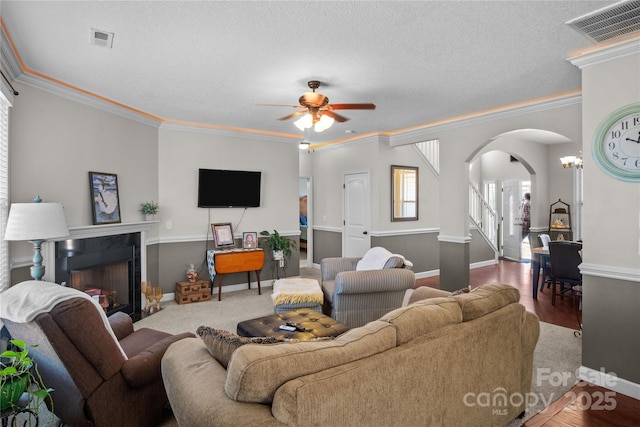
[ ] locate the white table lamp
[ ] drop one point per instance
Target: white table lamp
(36, 222)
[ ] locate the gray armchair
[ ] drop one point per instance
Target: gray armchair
(358, 297)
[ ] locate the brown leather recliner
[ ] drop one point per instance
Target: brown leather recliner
(94, 383)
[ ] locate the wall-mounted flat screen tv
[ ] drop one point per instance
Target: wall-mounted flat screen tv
(228, 188)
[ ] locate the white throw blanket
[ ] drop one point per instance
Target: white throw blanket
(25, 301)
(375, 259)
(296, 290)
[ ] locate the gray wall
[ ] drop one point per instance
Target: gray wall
(611, 257)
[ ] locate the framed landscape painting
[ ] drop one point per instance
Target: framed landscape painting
(105, 203)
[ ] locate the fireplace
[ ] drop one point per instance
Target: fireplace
(108, 268)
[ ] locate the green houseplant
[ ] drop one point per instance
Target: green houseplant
(149, 208)
(280, 245)
(19, 373)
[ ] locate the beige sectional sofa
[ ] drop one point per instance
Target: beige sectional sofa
(441, 360)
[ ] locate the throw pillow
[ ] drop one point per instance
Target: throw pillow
(221, 344)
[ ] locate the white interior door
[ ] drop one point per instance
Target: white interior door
(357, 215)
(511, 227)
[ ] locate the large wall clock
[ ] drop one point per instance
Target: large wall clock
(616, 144)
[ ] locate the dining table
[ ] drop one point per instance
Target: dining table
(540, 257)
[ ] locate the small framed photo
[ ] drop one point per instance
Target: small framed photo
(105, 203)
(249, 240)
(223, 235)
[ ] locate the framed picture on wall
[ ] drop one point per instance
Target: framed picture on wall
(250, 240)
(223, 235)
(105, 203)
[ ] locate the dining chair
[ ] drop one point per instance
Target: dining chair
(565, 260)
(546, 263)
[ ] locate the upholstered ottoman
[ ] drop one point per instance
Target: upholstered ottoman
(314, 325)
(297, 292)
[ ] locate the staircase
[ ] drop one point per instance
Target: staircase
(481, 213)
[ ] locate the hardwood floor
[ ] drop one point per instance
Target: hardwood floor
(519, 274)
(584, 404)
(589, 405)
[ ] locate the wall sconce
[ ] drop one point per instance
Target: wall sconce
(570, 161)
(36, 222)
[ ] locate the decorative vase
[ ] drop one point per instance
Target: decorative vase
(11, 390)
(278, 255)
(149, 217)
(192, 273)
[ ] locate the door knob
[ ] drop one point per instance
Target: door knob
(364, 232)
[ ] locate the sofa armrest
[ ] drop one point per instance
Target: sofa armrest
(121, 324)
(144, 367)
(332, 266)
(194, 382)
(369, 281)
(426, 292)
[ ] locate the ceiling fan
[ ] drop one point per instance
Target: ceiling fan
(317, 106)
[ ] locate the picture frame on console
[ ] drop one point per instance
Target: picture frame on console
(105, 203)
(250, 240)
(223, 235)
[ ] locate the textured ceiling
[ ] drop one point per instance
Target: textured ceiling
(212, 62)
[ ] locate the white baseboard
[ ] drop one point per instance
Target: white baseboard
(609, 381)
(170, 296)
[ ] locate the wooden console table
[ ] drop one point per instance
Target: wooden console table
(227, 262)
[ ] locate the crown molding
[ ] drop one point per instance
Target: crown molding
(8, 59)
(421, 133)
(606, 53)
(82, 98)
(234, 133)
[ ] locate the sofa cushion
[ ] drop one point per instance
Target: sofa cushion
(485, 299)
(221, 344)
(422, 317)
(256, 372)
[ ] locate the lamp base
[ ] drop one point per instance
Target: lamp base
(37, 270)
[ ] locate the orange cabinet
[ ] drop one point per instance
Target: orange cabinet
(236, 262)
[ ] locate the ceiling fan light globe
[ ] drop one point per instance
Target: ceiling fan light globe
(324, 123)
(304, 122)
(304, 145)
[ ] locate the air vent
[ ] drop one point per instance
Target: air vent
(101, 38)
(613, 21)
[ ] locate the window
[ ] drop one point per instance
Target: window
(404, 193)
(4, 190)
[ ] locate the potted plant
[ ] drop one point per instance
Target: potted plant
(280, 245)
(149, 209)
(19, 373)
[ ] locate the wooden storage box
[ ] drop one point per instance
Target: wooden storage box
(195, 297)
(188, 292)
(188, 288)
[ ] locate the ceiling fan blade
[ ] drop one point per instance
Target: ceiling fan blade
(278, 105)
(364, 106)
(334, 116)
(297, 113)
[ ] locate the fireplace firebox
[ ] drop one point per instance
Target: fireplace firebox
(106, 268)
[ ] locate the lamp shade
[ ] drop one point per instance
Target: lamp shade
(36, 221)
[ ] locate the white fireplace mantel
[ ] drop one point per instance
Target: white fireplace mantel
(89, 231)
